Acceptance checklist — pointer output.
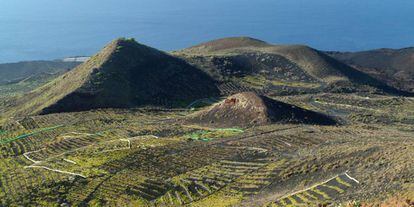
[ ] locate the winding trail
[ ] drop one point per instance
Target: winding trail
(36, 162)
(26, 155)
(346, 173)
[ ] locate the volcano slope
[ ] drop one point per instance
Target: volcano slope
(124, 74)
(393, 66)
(147, 157)
(241, 62)
(248, 109)
(155, 157)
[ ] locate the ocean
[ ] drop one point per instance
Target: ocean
(51, 29)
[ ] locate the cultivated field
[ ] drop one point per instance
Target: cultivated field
(150, 157)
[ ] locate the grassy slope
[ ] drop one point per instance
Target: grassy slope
(227, 43)
(378, 155)
(36, 100)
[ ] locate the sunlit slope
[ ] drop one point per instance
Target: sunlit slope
(123, 74)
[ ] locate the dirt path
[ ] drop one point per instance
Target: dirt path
(55, 170)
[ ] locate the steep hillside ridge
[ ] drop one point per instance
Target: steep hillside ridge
(393, 66)
(279, 64)
(227, 43)
(249, 109)
(311, 61)
(12, 72)
(124, 74)
(307, 58)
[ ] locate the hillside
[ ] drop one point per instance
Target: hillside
(249, 109)
(12, 72)
(124, 74)
(276, 68)
(21, 86)
(393, 66)
(106, 134)
(226, 43)
(148, 157)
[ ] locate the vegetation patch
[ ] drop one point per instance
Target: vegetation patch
(207, 135)
(23, 136)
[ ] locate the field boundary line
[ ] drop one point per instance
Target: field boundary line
(250, 148)
(55, 170)
(346, 173)
(70, 161)
(26, 155)
(317, 184)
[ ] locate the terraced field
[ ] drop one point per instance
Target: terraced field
(229, 88)
(149, 157)
(319, 192)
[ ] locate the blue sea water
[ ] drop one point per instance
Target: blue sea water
(49, 29)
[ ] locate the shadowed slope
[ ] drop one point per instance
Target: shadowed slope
(249, 109)
(278, 64)
(123, 74)
(395, 67)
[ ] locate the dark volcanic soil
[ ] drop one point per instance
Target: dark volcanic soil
(249, 109)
